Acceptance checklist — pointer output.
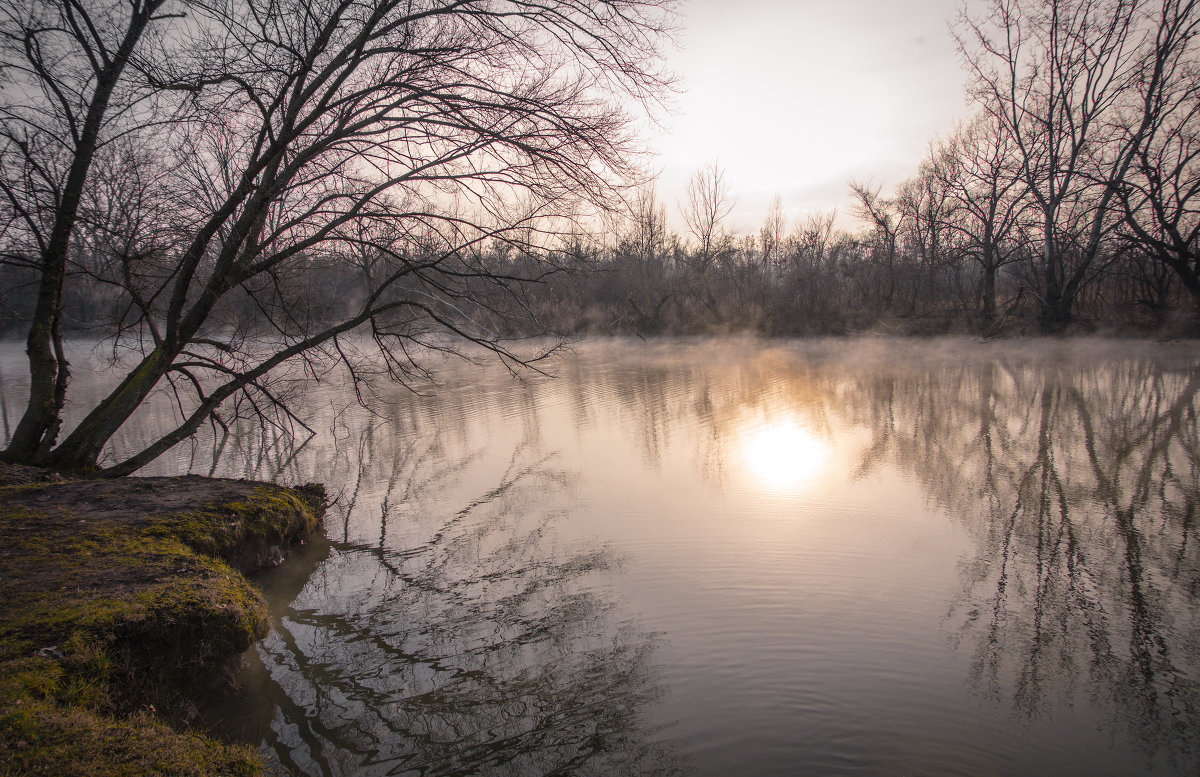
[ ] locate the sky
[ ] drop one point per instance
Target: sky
(796, 97)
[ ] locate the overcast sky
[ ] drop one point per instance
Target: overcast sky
(795, 97)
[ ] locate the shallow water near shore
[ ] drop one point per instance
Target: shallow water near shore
(738, 556)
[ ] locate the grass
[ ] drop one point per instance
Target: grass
(117, 616)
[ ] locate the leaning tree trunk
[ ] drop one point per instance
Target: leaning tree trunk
(80, 451)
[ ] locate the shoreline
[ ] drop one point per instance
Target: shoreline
(126, 601)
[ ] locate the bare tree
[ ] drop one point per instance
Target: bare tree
(887, 222)
(976, 167)
(1161, 194)
(393, 135)
(1052, 73)
(709, 203)
(932, 272)
(924, 201)
(772, 234)
(814, 235)
(642, 261)
(646, 237)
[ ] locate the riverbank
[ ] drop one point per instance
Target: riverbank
(125, 601)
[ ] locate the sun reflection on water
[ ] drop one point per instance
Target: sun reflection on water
(783, 455)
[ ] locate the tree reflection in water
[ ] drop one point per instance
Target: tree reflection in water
(460, 643)
(1080, 484)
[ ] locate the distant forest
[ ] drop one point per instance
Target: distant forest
(916, 265)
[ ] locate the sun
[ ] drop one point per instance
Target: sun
(783, 456)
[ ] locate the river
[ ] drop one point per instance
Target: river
(736, 556)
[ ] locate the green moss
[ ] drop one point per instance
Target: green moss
(107, 618)
(241, 531)
(15, 487)
(39, 738)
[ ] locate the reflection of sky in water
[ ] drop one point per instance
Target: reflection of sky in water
(924, 557)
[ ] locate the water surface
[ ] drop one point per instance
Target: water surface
(740, 557)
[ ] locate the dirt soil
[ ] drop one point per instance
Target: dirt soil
(128, 500)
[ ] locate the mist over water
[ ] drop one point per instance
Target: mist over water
(882, 556)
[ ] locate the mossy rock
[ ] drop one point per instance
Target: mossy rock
(124, 599)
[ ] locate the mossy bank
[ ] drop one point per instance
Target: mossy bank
(124, 600)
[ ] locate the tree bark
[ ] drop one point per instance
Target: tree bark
(49, 374)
